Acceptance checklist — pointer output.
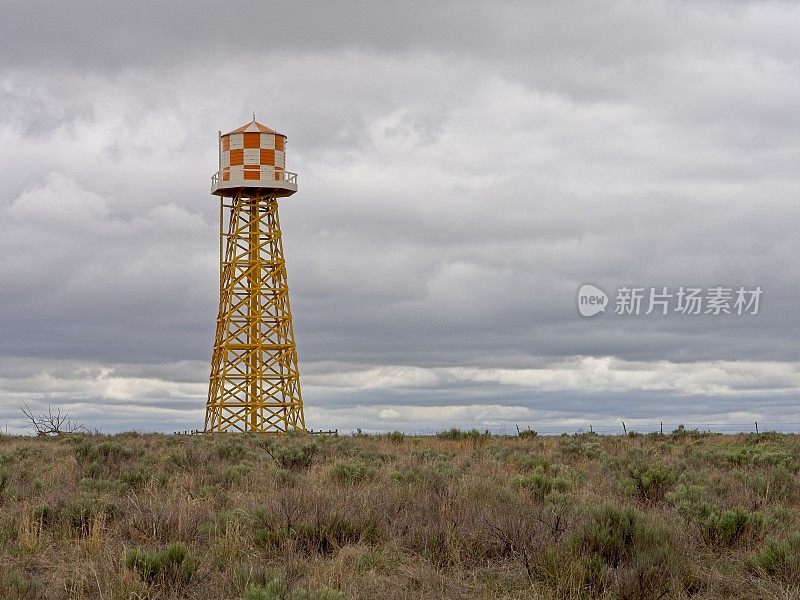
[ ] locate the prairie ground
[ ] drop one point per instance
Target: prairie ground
(460, 515)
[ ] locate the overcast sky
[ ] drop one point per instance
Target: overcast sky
(463, 169)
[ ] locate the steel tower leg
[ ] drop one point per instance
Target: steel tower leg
(255, 381)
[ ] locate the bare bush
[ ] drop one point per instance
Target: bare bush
(51, 423)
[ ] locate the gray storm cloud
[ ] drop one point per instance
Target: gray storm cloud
(461, 175)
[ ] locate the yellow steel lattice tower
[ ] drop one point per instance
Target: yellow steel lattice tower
(255, 381)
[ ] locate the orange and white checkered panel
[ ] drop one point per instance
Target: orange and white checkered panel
(252, 153)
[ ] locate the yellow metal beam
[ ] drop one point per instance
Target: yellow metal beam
(255, 381)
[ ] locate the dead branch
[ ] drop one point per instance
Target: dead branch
(51, 423)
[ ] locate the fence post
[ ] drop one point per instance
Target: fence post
(756, 426)
(624, 429)
(662, 427)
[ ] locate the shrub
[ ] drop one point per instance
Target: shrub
(103, 459)
(421, 517)
(45, 515)
(232, 451)
(777, 482)
(277, 589)
(172, 565)
(764, 436)
(135, 477)
(458, 435)
(432, 475)
(764, 454)
(563, 572)
(235, 474)
(639, 551)
(291, 453)
(539, 484)
(531, 462)
(4, 480)
(398, 437)
(114, 451)
(615, 533)
(218, 523)
(686, 497)
(577, 447)
(428, 454)
(651, 573)
(98, 486)
(322, 536)
(378, 560)
(681, 432)
(351, 472)
(327, 535)
(609, 534)
(779, 559)
(527, 433)
(285, 477)
(729, 527)
(405, 475)
(652, 482)
(181, 459)
(81, 510)
(18, 584)
(274, 589)
(323, 593)
(87, 451)
(269, 538)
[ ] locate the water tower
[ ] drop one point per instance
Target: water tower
(255, 382)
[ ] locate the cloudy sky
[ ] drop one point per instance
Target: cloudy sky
(464, 168)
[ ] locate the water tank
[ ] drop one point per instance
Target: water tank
(252, 161)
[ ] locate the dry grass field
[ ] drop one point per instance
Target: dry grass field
(461, 515)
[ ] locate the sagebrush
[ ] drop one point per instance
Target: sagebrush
(460, 515)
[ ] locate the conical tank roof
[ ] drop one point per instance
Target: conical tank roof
(254, 127)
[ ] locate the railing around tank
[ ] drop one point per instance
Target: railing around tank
(281, 176)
